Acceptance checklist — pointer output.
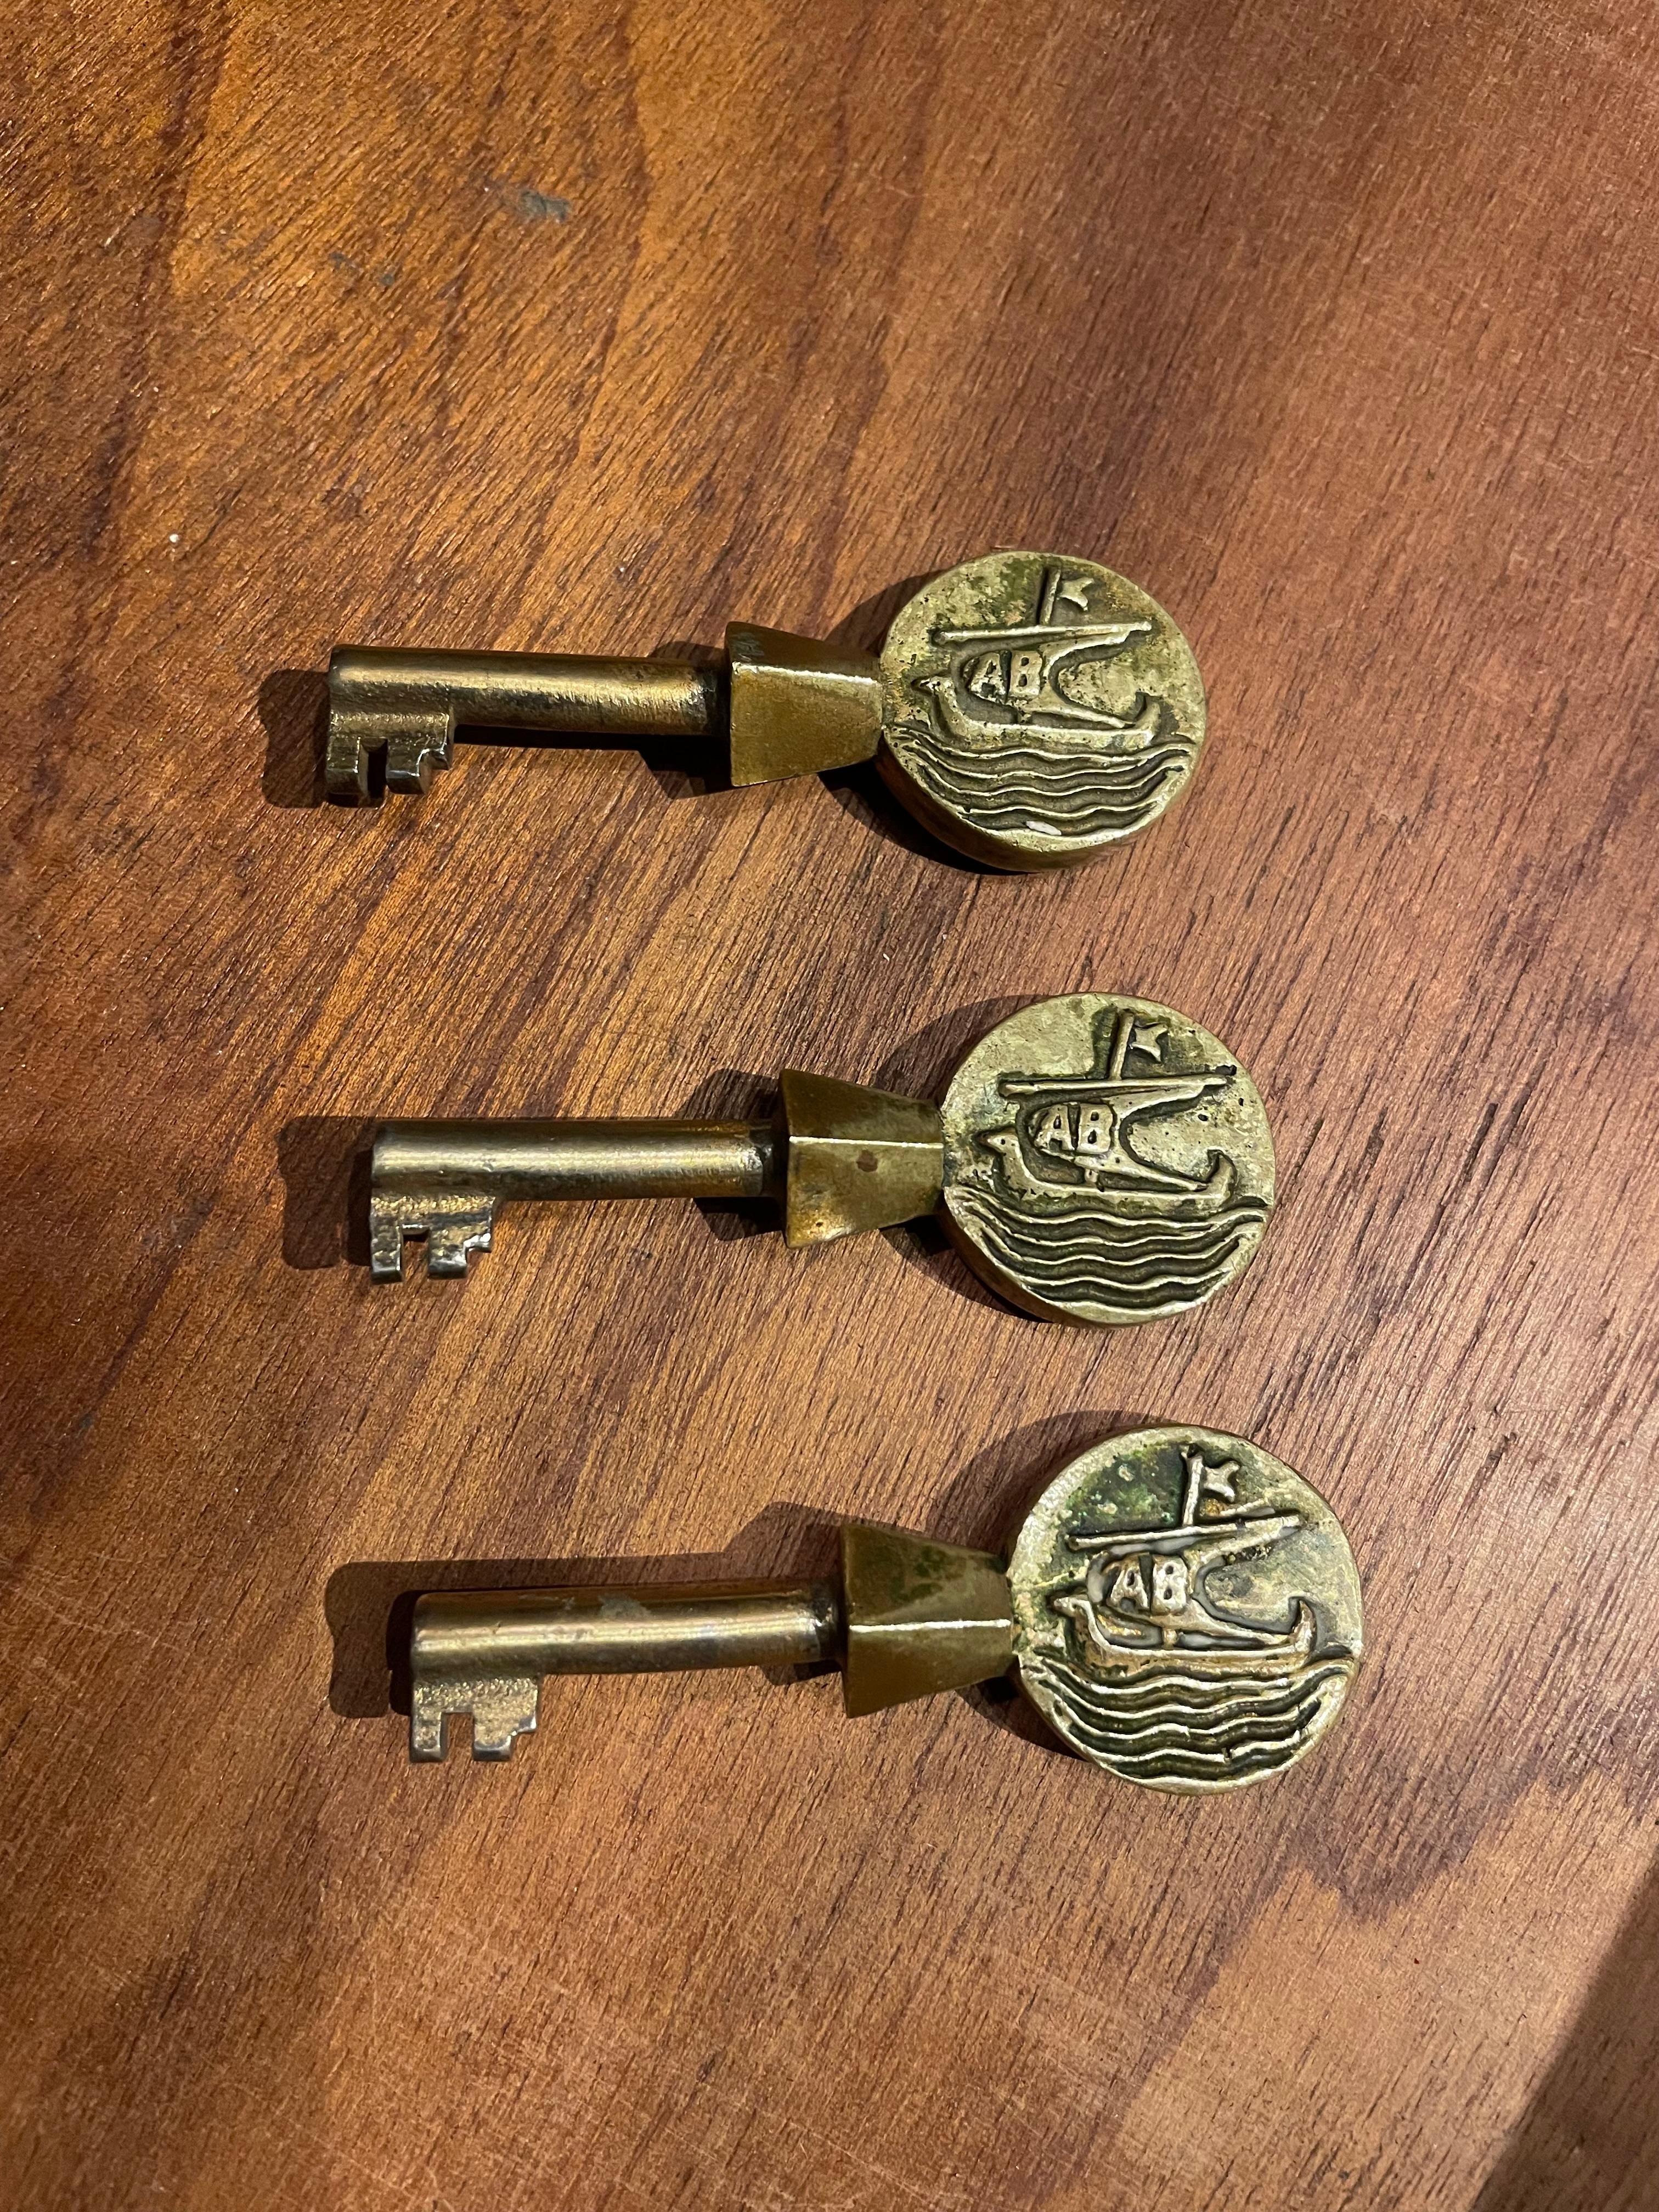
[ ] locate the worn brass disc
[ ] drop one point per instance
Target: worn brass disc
(1037, 709)
(1105, 1160)
(1185, 1610)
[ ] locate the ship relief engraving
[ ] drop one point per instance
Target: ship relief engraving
(1011, 725)
(1199, 1645)
(1110, 1192)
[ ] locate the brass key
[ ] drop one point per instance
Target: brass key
(1105, 1608)
(1097, 1159)
(1027, 708)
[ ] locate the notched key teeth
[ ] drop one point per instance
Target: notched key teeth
(416, 745)
(502, 1706)
(385, 1239)
(415, 741)
(455, 1228)
(455, 1224)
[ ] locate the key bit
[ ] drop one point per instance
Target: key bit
(1029, 709)
(1123, 1606)
(1097, 1159)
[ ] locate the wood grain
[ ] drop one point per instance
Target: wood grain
(590, 327)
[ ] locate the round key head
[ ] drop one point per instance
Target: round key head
(1037, 708)
(1106, 1160)
(1185, 1610)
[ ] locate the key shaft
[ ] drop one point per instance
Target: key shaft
(784, 706)
(838, 1158)
(641, 1628)
(907, 1617)
(443, 1180)
(409, 703)
(486, 1652)
(531, 690)
(583, 1159)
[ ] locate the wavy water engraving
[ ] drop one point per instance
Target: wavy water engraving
(1045, 791)
(1172, 1725)
(1086, 1253)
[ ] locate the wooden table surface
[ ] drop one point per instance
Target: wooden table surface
(590, 327)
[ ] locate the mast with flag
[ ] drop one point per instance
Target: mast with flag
(1144, 1592)
(1084, 1118)
(1014, 665)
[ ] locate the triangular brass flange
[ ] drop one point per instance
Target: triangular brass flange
(856, 1158)
(798, 706)
(919, 1617)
